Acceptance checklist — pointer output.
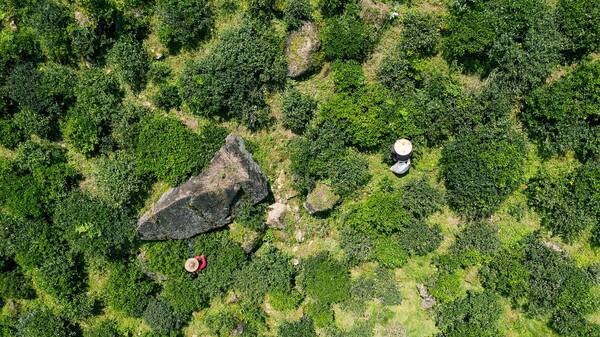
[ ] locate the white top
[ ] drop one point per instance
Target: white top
(403, 147)
(191, 265)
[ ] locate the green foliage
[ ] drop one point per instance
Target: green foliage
(419, 238)
(159, 316)
(325, 279)
(166, 257)
(475, 244)
(168, 150)
(167, 97)
(346, 37)
(298, 110)
(104, 328)
(50, 22)
(42, 323)
(389, 253)
(94, 227)
(481, 168)
(295, 12)
(577, 23)
(129, 61)
(475, 315)
(252, 216)
(519, 38)
(261, 9)
(13, 283)
(446, 286)
(329, 8)
(230, 81)
(283, 301)
(421, 198)
(378, 284)
(348, 76)
(380, 213)
(563, 115)
(321, 313)
(506, 274)
(302, 328)
(127, 289)
(124, 125)
(420, 35)
(117, 180)
(349, 173)
(567, 203)
(183, 23)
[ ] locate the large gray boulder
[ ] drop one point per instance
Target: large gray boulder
(301, 47)
(209, 200)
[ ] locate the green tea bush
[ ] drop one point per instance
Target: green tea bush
(577, 23)
(302, 328)
(43, 323)
(349, 173)
(475, 315)
(298, 110)
(231, 80)
(166, 257)
(475, 244)
(346, 37)
(389, 253)
(129, 61)
(378, 284)
(261, 9)
(321, 313)
(380, 213)
(325, 279)
(13, 283)
(159, 316)
(117, 180)
(128, 290)
(94, 227)
(283, 301)
(358, 246)
(167, 97)
(506, 274)
(562, 116)
(446, 286)
(168, 150)
(329, 8)
(183, 23)
(420, 35)
(481, 168)
(104, 328)
(125, 127)
(50, 22)
(421, 199)
(419, 238)
(296, 12)
(348, 76)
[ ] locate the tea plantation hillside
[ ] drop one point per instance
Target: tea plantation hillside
(266, 131)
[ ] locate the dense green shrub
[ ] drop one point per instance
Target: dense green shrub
(13, 283)
(563, 211)
(298, 110)
(321, 313)
(230, 81)
(127, 289)
(117, 180)
(124, 125)
(43, 323)
(446, 286)
(329, 8)
(283, 301)
(506, 274)
(325, 279)
(302, 328)
(476, 243)
(104, 328)
(183, 23)
(166, 257)
(420, 35)
(261, 9)
(577, 22)
(357, 246)
(380, 213)
(346, 37)
(159, 72)
(421, 198)
(378, 284)
(420, 238)
(520, 38)
(348, 76)
(481, 168)
(269, 270)
(159, 316)
(475, 315)
(167, 97)
(295, 12)
(563, 115)
(348, 174)
(168, 150)
(50, 22)
(94, 227)
(389, 253)
(129, 61)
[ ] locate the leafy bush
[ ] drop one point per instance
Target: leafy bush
(105, 328)
(295, 12)
(476, 243)
(320, 313)
(481, 168)
(183, 23)
(377, 284)
(563, 211)
(283, 301)
(298, 110)
(171, 152)
(117, 179)
(475, 315)
(13, 283)
(446, 286)
(420, 35)
(380, 213)
(231, 80)
(329, 8)
(346, 37)
(562, 115)
(167, 97)
(166, 257)
(389, 253)
(159, 316)
(349, 173)
(348, 76)
(506, 274)
(325, 279)
(93, 227)
(50, 22)
(261, 9)
(421, 199)
(42, 323)
(419, 238)
(576, 19)
(124, 125)
(128, 290)
(129, 61)
(302, 328)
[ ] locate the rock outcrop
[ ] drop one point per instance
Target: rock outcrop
(276, 215)
(427, 300)
(301, 46)
(321, 199)
(209, 200)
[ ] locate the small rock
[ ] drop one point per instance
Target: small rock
(374, 12)
(554, 246)
(299, 236)
(239, 329)
(321, 199)
(276, 215)
(295, 261)
(301, 46)
(232, 299)
(427, 301)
